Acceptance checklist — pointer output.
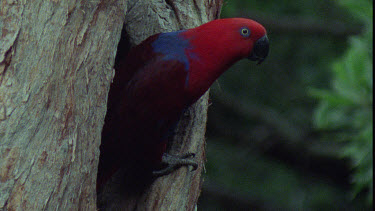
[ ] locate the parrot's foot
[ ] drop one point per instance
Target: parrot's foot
(173, 162)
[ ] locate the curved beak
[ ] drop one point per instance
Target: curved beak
(260, 50)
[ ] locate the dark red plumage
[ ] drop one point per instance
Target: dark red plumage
(160, 78)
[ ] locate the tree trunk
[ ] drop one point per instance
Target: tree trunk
(56, 65)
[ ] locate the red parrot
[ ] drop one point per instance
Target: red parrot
(159, 79)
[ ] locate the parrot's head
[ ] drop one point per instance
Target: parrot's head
(235, 38)
(215, 46)
(247, 37)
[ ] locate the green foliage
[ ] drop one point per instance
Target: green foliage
(271, 182)
(347, 107)
(261, 140)
(361, 9)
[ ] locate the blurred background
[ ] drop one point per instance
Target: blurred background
(295, 133)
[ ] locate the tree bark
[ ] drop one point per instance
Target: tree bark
(56, 65)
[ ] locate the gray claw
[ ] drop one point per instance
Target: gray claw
(173, 162)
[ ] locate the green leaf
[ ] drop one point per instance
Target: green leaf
(348, 105)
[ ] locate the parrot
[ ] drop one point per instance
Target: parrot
(157, 81)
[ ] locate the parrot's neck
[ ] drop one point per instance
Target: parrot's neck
(208, 59)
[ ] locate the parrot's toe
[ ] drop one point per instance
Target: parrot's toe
(173, 162)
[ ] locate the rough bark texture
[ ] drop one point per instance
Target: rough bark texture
(56, 65)
(179, 190)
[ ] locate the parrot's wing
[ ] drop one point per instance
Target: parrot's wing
(143, 103)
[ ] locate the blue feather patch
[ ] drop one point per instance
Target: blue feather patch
(173, 46)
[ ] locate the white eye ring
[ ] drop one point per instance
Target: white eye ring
(245, 32)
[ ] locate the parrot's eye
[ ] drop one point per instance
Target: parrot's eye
(245, 32)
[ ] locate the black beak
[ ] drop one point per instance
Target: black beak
(260, 50)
